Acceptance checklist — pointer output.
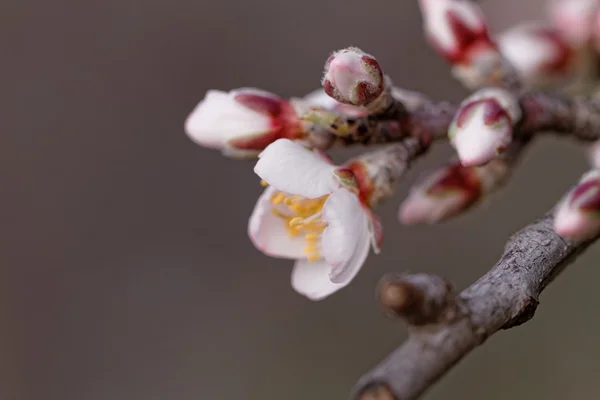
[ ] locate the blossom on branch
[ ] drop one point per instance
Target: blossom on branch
(242, 122)
(578, 214)
(483, 126)
(311, 211)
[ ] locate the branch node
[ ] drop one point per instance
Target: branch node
(419, 299)
(525, 314)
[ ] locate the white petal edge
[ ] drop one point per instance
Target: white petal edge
(346, 240)
(311, 279)
(219, 118)
(292, 168)
(268, 233)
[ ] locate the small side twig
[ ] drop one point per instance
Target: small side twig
(444, 327)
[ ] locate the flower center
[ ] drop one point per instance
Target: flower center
(301, 216)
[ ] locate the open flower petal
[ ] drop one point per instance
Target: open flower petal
(311, 279)
(268, 232)
(346, 240)
(292, 168)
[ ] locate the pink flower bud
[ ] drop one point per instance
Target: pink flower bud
(457, 29)
(444, 194)
(538, 53)
(574, 19)
(243, 121)
(353, 77)
(482, 127)
(578, 214)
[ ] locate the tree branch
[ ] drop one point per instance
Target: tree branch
(444, 327)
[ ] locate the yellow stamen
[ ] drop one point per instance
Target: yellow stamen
(279, 214)
(263, 183)
(310, 248)
(296, 222)
(313, 257)
(291, 200)
(277, 198)
(303, 216)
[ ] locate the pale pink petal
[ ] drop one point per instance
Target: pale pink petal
(292, 168)
(346, 240)
(268, 232)
(311, 279)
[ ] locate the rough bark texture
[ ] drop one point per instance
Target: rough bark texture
(443, 327)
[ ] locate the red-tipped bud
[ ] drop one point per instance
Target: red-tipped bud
(538, 53)
(242, 122)
(353, 77)
(442, 195)
(457, 29)
(578, 214)
(483, 126)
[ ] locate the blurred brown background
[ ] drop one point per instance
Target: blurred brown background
(126, 271)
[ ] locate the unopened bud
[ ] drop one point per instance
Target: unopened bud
(578, 214)
(353, 77)
(574, 19)
(538, 53)
(483, 126)
(242, 122)
(456, 29)
(442, 195)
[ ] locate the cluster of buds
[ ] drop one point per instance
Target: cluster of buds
(320, 214)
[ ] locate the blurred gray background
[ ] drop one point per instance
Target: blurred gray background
(126, 272)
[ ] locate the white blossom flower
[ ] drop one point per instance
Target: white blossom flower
(243, 121)
(311, 212)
